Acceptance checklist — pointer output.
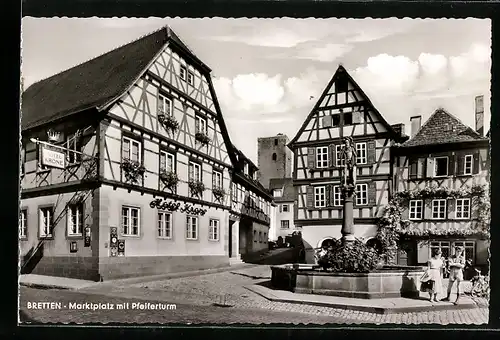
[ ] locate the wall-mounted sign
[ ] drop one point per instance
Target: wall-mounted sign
(113, 241)
(87, 237)
(73, 247)
(172, 206)
(53, 158)
(121, 247)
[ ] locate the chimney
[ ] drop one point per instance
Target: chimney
(480, 115)
(415, 122)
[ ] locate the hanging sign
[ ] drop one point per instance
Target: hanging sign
(87, 237)
(53, 158)
(172, 206)
(121, 247)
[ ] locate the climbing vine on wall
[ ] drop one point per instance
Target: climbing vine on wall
(392, 225)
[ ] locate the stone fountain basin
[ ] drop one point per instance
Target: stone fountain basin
(386, 282)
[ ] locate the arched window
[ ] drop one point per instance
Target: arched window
(274, 156)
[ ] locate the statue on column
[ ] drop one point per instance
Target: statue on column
(348, 154)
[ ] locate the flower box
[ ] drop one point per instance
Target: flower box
(169, 178)
(219, 193)
(196, 187)
(202, 138)
(132, 170)
(169, 122)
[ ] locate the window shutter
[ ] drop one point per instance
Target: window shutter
(328, 195)
(281, 207)
(430, 167)
(333, 155)
(476, 163)
(372, 193)
(332, 196)
(413, 168)
(161, 108)
(310, 197)
(370, 152)
(450, 207)
(451, 164)
(311, 158)
(460, 164)
(327, 121)
(356, 117)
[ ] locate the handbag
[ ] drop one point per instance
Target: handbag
(425, 276)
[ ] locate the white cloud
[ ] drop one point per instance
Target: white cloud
(432, 63)
(325, 53)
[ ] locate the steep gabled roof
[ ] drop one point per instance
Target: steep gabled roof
(442, 128)
(97, 82)
(342, 70)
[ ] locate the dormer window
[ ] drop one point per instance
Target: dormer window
(245, 169)
(277, 192)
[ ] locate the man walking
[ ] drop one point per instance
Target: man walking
(457, 264)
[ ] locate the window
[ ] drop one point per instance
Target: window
(468, 159)
(190, 78)
(245, 169)
(235, 193)
(277, 192)
(260, 236)
(213, 230)
(439, 209)
(191, 227)
(338, 157)
(337, 196)
(322, 157)
(164, 105)
(23, 224)
(201, 125)
(164, 225)
(75, 220)
(217, 179)
(361, 194)
(194, 172)
(74, 145)
(444, 246)
(319, 197)
(167, 162)
(46, 219)
(275, 141)
(130, 221)
(360, 153)
(183, 72)
(284, 207)
(462, 208)
(341, 84)
(335, 120)
(441, 166)
(416, 209)
(285, 224)
(469, 246)
(348, 118)
(131, 149)
(274, 156)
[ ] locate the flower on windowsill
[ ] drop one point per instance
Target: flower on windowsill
(169, 178)
(202, 138)
(132, 170)
(219, 193)
(196, 187)
(168, 122)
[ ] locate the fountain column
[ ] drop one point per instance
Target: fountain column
(348, 155)
(347, 216)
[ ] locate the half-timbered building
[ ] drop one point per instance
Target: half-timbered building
(442, 171)
(343, 109)
(250, 209)
(137, 172)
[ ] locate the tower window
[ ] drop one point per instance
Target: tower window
(274, 156)
(276, 141)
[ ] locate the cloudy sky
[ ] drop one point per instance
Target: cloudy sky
(266, 70)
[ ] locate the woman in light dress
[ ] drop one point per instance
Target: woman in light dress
(434, 271)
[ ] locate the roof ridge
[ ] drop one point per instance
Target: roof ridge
(102, 54)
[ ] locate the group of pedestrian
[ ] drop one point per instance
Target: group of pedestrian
(432, 280)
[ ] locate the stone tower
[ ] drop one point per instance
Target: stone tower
(274, 158)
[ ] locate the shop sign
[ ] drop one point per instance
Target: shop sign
(172, 206)
(87, 237)
(73, 247)
(121, 247)
(52, 158)
(113, 244)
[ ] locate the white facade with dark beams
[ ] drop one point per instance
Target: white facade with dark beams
(342, 110)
